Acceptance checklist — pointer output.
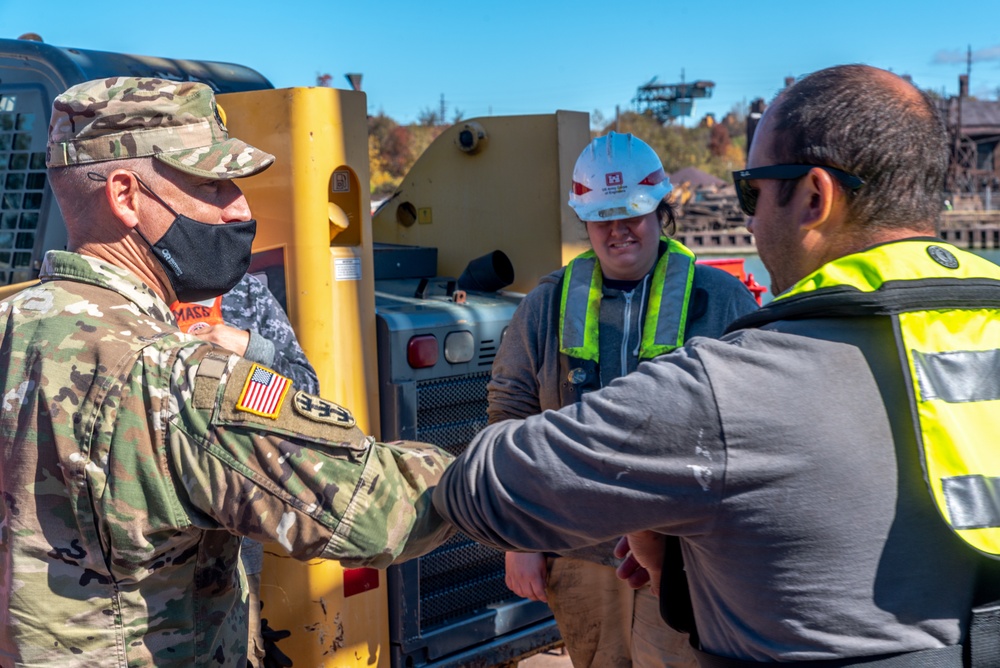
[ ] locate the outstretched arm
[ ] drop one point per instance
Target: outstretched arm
(616, 462)
(290, 468)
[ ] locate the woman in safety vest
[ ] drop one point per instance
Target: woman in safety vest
(634, 296)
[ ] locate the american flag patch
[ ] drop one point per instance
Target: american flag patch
(263, 392)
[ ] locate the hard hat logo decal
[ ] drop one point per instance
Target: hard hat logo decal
(614, 183)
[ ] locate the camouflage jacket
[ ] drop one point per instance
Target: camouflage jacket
(132, 459)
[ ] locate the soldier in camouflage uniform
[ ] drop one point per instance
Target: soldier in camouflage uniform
(133, 457)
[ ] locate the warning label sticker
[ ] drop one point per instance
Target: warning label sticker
(347, 269)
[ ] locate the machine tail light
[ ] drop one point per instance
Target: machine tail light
(422, 351)
(359, 580)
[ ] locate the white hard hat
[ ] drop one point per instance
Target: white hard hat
(617, 176)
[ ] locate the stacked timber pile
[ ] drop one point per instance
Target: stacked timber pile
(704, 203)
(709, 219)
(711, 210)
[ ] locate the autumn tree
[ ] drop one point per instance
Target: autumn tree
(390, 153)
(717, 148)
(397, 151)
(381, 183)
(393, 148)
(429, 117)
(709, 149)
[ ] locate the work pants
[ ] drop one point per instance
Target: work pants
(607, 624)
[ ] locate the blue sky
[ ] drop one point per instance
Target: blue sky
(520, 57)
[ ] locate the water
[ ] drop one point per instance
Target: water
(753, 265)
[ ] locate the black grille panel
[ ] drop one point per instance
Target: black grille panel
(22, 189)
(461, 577)
(464, 394)
(450, 411)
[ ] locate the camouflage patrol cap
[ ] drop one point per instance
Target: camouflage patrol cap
(176, 122)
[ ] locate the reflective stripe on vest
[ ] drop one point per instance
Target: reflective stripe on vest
(666, 312)
(950, 341)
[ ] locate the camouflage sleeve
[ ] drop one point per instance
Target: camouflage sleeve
(251, 306)
(266, 460)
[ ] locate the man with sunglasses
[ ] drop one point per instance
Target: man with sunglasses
(807, 459)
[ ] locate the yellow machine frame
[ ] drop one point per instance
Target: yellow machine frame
(314, 206)
(495, 183)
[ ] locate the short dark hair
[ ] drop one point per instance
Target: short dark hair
(858, 119)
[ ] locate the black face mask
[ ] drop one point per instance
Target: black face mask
(201, 260)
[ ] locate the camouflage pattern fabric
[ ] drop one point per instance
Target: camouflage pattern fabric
(128, 476)
(176, 122)
(251, 306)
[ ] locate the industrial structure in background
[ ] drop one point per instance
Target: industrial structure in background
(709, 219)
(974, 128)
(972, 207)
(668, 102)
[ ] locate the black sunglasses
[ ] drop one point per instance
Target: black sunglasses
(748, 194)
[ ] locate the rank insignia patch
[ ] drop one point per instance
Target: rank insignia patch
(321, 410)
(263, 392)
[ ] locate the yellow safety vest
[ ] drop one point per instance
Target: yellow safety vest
(663, 328)
(945, 307)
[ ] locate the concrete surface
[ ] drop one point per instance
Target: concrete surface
(551, 659)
